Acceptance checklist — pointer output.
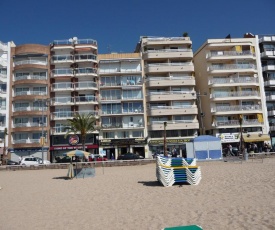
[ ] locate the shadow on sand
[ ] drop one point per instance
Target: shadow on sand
(62, 178)
(150, 183)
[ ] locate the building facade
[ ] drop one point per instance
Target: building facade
(122, 105)
(267, 50)
(229, 72)
(73, 89)
(170, 96)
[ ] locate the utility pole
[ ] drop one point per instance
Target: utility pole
(164, 141)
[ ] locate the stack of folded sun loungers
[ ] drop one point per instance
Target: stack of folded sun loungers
(177, 170)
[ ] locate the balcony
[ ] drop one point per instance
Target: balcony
(169, 67)
(85, 58)
(3, 46)
(227, 55)
(269, 68)
(235, 95)
(171, 110)
(59, 130)
(268, 54)
(233, 81)
(88, 99)
(166, 40)
(63, 100)
(269, 83)
(26, 141)
(130, 125)
(30, 108)
(30, 93)
(62, 59)
(236, 123)
(62, 115)
(107, 99)
(174, 125)
(236, 109)
(86, 72)
(3, 62)
(119, 70)
(86, 86)
(86, 112)
(132, 98)
(3, 77)
(170, 96)
(62, 73)
(30, 77)
(31, 62)
(66, 86)
(229, 68)
(270, 96)
(168, 53)
(171, 81)
(267, 39)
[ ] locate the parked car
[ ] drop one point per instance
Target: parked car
(129, 156)
(33, 161)
(97, 157)
(10, 162)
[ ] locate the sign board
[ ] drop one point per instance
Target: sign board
(229, 137)
(102, 153)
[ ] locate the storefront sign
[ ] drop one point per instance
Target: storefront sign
(73, 147)
(73, 139)
(120, 142)
(229, 137)
(169, 141)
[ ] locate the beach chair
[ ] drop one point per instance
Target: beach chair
(189, 227)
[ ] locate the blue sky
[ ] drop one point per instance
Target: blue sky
(118, 24)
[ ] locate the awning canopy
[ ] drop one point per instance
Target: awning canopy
(255, 137)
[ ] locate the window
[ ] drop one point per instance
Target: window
(123, 134)
(108, 135)
(137, 134)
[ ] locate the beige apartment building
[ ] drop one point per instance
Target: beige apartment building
(170, 95)
(229, 72)
(121, 100)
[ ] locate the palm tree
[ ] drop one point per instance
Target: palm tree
(83, 124)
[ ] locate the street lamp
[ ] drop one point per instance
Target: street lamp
(201, 112)
(241, 137)
(164, 141)
(42, 138)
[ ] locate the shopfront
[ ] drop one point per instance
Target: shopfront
(61, 145)
(179, 146)
(115, 147)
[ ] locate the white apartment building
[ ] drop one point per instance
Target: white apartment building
(267, 50)
(74, 89)
(121, 105)
(170, 96)
(229, 71)
(4, 94)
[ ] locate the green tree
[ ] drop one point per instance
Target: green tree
(82, 124)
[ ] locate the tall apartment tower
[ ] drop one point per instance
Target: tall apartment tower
(4, 96)
(29, 86)
(267, 49)
(74, 89)
(229, 70)
(170, 96)
(121, 105)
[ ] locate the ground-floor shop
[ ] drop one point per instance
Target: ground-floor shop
(17, 154)
(112, 148)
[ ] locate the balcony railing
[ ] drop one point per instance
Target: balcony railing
(232, 66)
(41, 93)
(84, 85)
(85, 57)
(26, 62)
(173, 107)
(170, 92)
(235, 94)
(237, 123)
(168, 50)
(62, 71)
(63, 100)
(62, 86)
(71, 42)
(168, 38)
(88, 98)
(62, 129)
(28, 124)
(63, 114)
(233, 80)
(114, 125)
(26, 141)
(30, 77)
(62, 58)
(230, 53)
(236, 108)
(30, 108)
(168, 78)
(170, 64)
(110, 98)
(173, 121)
(85, 70)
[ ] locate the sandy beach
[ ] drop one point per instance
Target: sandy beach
(230, 195)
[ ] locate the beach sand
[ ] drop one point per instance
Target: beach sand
(230, 195)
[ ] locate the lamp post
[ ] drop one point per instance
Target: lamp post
(42, 138)
(241, 137)
(200, 110)
(164, 140)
